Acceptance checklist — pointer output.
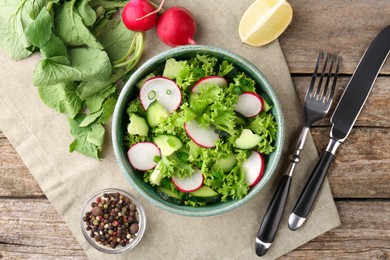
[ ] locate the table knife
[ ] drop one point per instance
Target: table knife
(343, 119)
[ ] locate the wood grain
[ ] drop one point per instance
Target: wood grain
(31, 228)
(343, 27)
(361, 167)
(374, 113)
(15, 179)
(364, 233)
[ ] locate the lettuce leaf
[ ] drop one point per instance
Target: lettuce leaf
(266, 127)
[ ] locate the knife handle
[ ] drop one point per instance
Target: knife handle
(309, 194)
(272, 217)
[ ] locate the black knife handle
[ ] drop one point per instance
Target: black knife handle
(309, 194)
(272, 217)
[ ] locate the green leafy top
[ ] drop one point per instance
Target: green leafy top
(85, 52)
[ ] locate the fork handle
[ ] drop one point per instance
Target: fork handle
(310, 192)
(272, 217)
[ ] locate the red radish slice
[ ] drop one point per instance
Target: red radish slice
(142, 155)
(253, 168)
(249, 104)
(162, 89)
(188, 184)
(204, 137)
(215, 80)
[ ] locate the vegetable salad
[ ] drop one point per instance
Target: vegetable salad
(210, 148)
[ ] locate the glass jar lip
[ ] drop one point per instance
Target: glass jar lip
(141, 220)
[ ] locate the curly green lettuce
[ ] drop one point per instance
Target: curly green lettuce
(212, 107)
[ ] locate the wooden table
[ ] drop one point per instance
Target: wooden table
(359, 177)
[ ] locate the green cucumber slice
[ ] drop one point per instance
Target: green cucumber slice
(168, 144)
(156, 114)
(137, 126)
(172, 68)
(247, 140)
(226, 164)
(168, 196)
(204, 194)
(156, 176)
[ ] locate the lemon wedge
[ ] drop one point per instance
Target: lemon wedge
(264, 21)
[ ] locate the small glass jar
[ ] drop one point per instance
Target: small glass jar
(139, 216)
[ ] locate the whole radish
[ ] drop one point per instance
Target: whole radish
(176, 26)
(139, 15)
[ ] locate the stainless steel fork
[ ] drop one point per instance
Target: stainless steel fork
(317, 103)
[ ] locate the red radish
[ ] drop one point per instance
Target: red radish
(253, 168)
(176, 26)
(188, 184)
(204, 137)
(215, 80)
(249, 104)
(162, 89)
(142, 155)
(139, 15)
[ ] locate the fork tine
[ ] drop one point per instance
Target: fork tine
(329, 74)
(332, 90)
(322, 75)
(313, 79)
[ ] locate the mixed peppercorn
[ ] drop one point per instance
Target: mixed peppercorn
(112, 220)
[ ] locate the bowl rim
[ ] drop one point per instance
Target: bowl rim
(141, 219)
(183, 50)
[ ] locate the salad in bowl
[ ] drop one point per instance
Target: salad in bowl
(198, 131)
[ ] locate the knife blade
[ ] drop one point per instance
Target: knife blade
(343, 119)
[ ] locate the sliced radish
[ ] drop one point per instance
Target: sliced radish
(162, 89)
(215, 80)
(142, 155)
(204, 137)
(188, 184)
(253, 168)
(249, 104)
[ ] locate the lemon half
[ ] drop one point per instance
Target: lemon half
(264, 21)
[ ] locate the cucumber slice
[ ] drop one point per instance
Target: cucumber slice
(156, 175)
(172, 68)
(168, 144)
(156, 114)
(137, 126)
(266, 106)
(204, 194)
(240, 119)
(247, 140)
(168, 196)
(226, 164)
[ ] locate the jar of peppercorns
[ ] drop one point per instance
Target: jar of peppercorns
(113, 221)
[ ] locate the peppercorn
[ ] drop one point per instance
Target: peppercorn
(112, 220)
(134, 228)
(97, 211)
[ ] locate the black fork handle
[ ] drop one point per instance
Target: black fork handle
(272, 217)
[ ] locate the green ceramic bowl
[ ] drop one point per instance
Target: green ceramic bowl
(120, 121)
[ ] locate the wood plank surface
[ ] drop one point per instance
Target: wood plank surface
(364, 233)
(375, 112)
(343, 27)
(15, 179)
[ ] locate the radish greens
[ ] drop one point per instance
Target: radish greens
(85, 52)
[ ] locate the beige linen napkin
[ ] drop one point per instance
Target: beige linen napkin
(41, 137)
